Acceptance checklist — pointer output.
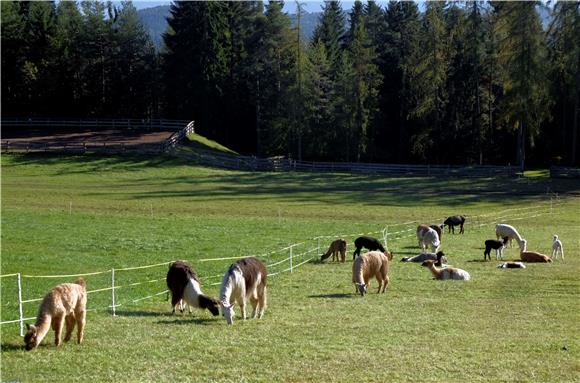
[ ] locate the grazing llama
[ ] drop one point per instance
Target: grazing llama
(184, 285)
(502, 230)
(453, 221)
(368, 243)
(446, 273)
(66, 302)
(336, 247)
(426, 236)
(557, 247)
(245, 279)
(374, 263)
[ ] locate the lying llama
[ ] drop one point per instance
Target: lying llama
(184, 285)
(245, 279)
(424, 257)
(532, 256)
(368, 243)
(373, 263)
(557, 247)
(502, 230)
(336, 247)
(453, 221)
(498, 246)
(64, 303)
(446, 273)
(511, 265)
(426, 236)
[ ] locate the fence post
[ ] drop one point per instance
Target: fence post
(113, 289)
(385, 237)
(318, 251)
(20, 306)
(291, 246)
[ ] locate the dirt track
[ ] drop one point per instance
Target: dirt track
(109, 136)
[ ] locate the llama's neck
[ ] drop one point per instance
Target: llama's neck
(436, 273)
(42, 325)
(360, 272)
(192, 292)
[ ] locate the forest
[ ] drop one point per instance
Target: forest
(437, 83)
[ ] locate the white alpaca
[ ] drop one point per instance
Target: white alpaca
(502, 230)
(428, 237)
(557, 247)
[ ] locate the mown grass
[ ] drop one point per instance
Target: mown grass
(68, 215)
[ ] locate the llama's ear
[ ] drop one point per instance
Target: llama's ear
(27, 327)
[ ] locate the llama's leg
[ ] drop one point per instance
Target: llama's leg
(343, 255)
(70, 325)
(243, 308)
(262, 301)
(81, 318)
(562, 252)
(385, 283)
(57, 325)
(254, 303)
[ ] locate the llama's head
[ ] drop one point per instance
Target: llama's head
(214, 307)
(30, 339)
(362, 288)
(228, 312)
(555, 237)
(505, 240)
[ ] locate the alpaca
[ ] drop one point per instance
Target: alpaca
(502, 230)
(557, 247)
(498, 246)
(336, 247)
(184, 285)
(424, 256)
(532, 256)
(438, 229)
(66, 302)
(453, 221)
(447, 273)
(511, 265)
(368, 243)
(441, 259)
(427, 236)
(245, 279)
(373, 263)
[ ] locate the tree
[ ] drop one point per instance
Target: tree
(522, 53)
(13, 59)
(330, 31)
(564, 50)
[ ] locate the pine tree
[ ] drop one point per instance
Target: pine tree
(13, 59)
(522, 53)
(330, 31)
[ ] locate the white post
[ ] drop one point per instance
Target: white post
(113, 289)
(20, 306)
(318, 251)
(291, 257)
(385, 237)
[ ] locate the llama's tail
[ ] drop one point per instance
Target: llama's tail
(81, 282)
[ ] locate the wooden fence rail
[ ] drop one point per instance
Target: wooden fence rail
(564, 172)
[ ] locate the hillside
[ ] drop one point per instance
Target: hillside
(155, 22)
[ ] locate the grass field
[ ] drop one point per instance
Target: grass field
(70, 215)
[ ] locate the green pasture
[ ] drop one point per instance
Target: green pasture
(73, 215)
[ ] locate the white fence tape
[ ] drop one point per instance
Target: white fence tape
(477, 221)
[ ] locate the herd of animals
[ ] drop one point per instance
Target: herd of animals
(246, 279)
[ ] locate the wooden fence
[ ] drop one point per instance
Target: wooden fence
(285, 164)
(181, 128)
(564, 172)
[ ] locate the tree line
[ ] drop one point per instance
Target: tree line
(451, 83)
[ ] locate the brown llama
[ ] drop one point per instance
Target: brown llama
(336, 247)
(373, 263)
(532, 256)
(64, 303)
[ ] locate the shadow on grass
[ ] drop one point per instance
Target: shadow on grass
(139, 314)
(13, 347)
(367, 189)
(188, 321)
(332, 296)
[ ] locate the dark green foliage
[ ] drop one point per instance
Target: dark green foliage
(455, 83)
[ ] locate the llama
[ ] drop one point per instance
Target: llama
(502, 230)
(373, 263)
(368, 243)
(427, 236)
(498, 246)
(532, 256)
(557, 247)
(441, 259)
(245, 279)
(66, 302)
(511, 265)
(336, 247)
(184, 285)
(425, 256)
(446, 273)
(453, 221)
(438, 229)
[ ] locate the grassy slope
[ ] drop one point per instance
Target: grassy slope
(79, 214)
